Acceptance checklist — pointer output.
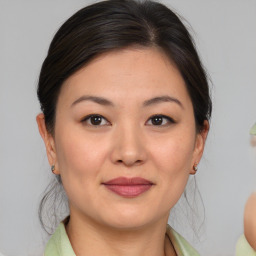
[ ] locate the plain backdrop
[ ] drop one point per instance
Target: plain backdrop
(225, 35)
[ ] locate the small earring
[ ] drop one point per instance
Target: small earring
(53, 168)
(195, 167)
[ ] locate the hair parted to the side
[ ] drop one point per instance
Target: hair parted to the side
(112, 25)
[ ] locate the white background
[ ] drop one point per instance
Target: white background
(225, 34)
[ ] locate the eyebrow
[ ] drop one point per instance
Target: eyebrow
(161, 99)
(106, 102)
(96, 99)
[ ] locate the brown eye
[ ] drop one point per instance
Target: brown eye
(95, 120)
(157, 120)
(160, 120)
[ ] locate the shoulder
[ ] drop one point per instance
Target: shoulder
(181, 246)
(243, 248)
(59, 244)
(250, 220)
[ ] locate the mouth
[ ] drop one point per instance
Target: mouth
(128, 187)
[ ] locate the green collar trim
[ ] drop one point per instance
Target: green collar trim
(253, 130)
(59, 244)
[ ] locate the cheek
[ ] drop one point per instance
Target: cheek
(173, 161)
(80, 159)
(78, 155)
(172, 157)
(174, 154)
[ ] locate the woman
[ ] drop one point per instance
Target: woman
(125, 105)
(250, 221)
(246, 244)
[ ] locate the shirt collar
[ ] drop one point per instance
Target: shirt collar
(59, 244)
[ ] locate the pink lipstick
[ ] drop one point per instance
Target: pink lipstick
(128, 187)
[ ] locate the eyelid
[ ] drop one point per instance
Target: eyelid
(169, 119)
(86, 118)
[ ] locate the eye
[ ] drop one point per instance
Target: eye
(160, 120)
(95, 120)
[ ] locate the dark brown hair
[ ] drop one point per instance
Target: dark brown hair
(117, 24)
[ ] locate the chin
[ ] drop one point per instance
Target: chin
(131, 219)
(127, 224)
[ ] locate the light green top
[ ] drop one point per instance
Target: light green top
(243, 248)
(59, 244)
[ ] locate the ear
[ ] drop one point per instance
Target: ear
(48, 141)
(199, 146)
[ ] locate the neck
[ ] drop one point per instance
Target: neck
(90, 238)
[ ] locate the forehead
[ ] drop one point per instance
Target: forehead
(134, 73)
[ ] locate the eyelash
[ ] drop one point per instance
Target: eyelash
(85, 119)
(169, 119)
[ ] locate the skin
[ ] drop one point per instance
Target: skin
(250, 221)
(127, 143)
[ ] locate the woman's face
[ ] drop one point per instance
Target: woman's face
(125, 138)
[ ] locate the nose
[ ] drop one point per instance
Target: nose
(128, 146)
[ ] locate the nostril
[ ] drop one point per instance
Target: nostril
(129, 163)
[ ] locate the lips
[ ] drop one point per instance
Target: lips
(128, 187)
